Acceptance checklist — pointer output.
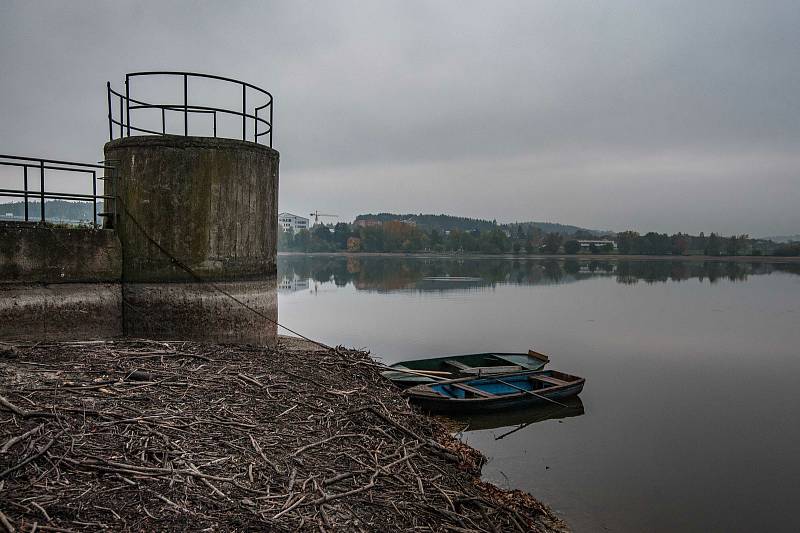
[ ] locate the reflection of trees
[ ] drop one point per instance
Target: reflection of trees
(791, 268)
(396, 273)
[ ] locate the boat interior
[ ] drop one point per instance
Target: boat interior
(503, 385)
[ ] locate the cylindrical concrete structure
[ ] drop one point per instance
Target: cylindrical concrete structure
(211, 203)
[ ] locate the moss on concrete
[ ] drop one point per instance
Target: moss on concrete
(42, 253)
(211, 202)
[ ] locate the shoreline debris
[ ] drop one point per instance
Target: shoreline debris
(136, 434)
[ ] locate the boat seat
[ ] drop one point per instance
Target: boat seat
(548, 379)
(473, 390)
(488, 370)
(458, 364)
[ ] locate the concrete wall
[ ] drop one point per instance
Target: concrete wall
(59, 283)
(36, 253)
(198, 311)
(212, 203)
(60, 311)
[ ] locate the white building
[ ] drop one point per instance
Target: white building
(288, 221)
(587, 244)
(293, 284)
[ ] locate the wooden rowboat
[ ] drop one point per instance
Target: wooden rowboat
(419, 371)
(508, 391)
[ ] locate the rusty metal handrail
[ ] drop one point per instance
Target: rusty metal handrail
(39, 167)
(126, 104)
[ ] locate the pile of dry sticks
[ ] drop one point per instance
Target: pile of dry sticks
(153, 435)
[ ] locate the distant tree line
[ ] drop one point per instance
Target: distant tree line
(395, 236)
(403, 236)
(54, 210)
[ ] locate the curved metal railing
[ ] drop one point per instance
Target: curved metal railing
(262, 125)
(35, 190)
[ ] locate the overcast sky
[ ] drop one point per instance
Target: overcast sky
(665, 116)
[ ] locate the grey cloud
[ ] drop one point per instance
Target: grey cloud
(510, 110)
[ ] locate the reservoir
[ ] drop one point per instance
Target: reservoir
(690, 418)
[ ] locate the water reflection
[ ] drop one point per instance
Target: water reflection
(671, 351)
(390, 274)
(517, 419)
(191, 311)
(204, 312)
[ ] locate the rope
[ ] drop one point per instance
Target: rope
(183, 266)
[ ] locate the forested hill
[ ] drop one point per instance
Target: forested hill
(54, 210)
(437, 222)
(563, 229)
(448, 222)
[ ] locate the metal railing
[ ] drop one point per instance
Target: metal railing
(34, 170)
(126, 104)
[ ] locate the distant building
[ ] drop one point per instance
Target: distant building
(293, 284)
(367, 223)
(295, 223)
(587, 244)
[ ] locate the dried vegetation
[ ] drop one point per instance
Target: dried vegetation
(151, 435)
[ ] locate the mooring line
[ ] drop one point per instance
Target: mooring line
(213, 285)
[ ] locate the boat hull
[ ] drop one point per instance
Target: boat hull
(456, 366)
(425, 397)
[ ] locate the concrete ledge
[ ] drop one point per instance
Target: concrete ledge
(60, 311)
(181, 142)
(200, 312)
(39, 253)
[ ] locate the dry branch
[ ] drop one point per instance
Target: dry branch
(142, 435)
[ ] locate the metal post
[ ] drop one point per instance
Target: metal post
(121, 131)
(215, 123)
(270, 122)
(94, 198)
(163, 122)
(110, 124)
(185, 106)
(127, 102)
(41, 191)
(244, 112)
(115, 188)
(255, 126)
(25, 181)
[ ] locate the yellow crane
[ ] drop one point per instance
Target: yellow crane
(317, 214)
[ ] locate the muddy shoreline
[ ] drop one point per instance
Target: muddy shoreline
(135, 434)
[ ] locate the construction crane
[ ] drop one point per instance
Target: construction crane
(317, 214)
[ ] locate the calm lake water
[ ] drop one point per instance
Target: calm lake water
(690, 418)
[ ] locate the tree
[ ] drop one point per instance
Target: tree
(552, 242)
(530, 247)
(572, 247)
(341, 232)
(732, 246)
(435, 239)
(680, 244)
(301, 240)
(286, 240)
(321, 232)
(713, 245)
(787, 250)
(628, 242)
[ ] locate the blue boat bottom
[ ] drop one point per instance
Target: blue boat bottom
(492, 386)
